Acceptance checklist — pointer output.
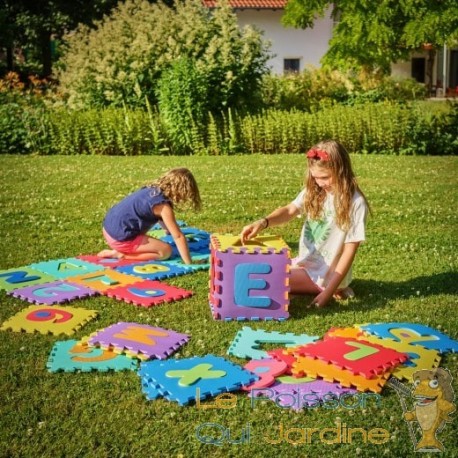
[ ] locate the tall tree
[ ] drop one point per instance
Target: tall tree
(30, 24)
(374, 34)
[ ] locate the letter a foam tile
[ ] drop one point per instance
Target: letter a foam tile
(182, 380)
(49, 320)
(249, 283)
(139, 340)
(148, 293)
(64, 268)
(56, 292)
(73, 355)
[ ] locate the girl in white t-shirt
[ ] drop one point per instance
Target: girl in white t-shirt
(335, 212)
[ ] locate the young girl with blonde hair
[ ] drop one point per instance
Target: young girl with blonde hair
(126, 224)
(335, 212)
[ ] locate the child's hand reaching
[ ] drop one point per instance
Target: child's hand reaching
(252, 230)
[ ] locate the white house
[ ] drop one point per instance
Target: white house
(295, 49)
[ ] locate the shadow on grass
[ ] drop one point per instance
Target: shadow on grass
(372, 294)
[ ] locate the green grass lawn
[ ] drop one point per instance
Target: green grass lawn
(52, 207)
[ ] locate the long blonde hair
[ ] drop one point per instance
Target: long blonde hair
(180, 187)
(331, 156)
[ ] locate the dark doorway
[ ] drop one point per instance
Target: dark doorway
(418, 69)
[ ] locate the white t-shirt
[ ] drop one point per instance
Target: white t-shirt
(322, 241)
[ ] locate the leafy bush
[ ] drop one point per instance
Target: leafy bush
(182, 92)
(122, 59)
(22, 119)
(314, 89)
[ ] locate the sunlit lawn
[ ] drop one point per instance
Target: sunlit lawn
(52, 207)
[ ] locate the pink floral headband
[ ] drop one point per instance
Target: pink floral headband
(318, 154)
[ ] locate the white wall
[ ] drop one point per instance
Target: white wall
(307, 45)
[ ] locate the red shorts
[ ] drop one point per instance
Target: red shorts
(126, 246)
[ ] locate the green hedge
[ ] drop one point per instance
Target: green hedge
(417, 128)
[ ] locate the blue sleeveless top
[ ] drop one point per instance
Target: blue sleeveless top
(134, 216)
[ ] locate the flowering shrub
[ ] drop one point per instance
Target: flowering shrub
(122, 59)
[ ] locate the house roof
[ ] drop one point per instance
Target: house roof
(250, 4)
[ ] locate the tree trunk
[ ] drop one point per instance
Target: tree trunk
(9, 59)
(429, 69)
(46, 58)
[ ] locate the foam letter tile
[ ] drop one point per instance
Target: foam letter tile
(197, 240)
(195, 256)
(354, 333)
(72, 356)
(259, 244)
(108, 263)
(148, 293)
(181, 380)
(305, 366)
(286, 356)
(103, 280)
(266, 369)
(139, 340)
(21, 277)
(247, 342)
(153, 270)
(49, 320)
(64, 268)
(358, 356)
(56, 292)
(419, 357)
(300, 393)
(413, 334)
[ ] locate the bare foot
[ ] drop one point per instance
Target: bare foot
(344, 293)
(109, 254)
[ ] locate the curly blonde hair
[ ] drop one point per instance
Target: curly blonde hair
(331, 156)
(180, 187)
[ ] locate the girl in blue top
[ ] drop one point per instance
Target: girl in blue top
(126, 224)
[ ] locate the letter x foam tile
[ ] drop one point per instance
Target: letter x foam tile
(56, 292)
(49, 320)
(22, 277)
(247, 342)
(358, 356)
(413, 334)
(153, 270)
(148, 293)
(185, 380)
(73, 355)
(139, 340)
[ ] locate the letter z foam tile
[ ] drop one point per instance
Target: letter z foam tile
(148, 293)
(185, 380)
(49, 320)
(56, 292)
(139, 340)
(73, 355)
